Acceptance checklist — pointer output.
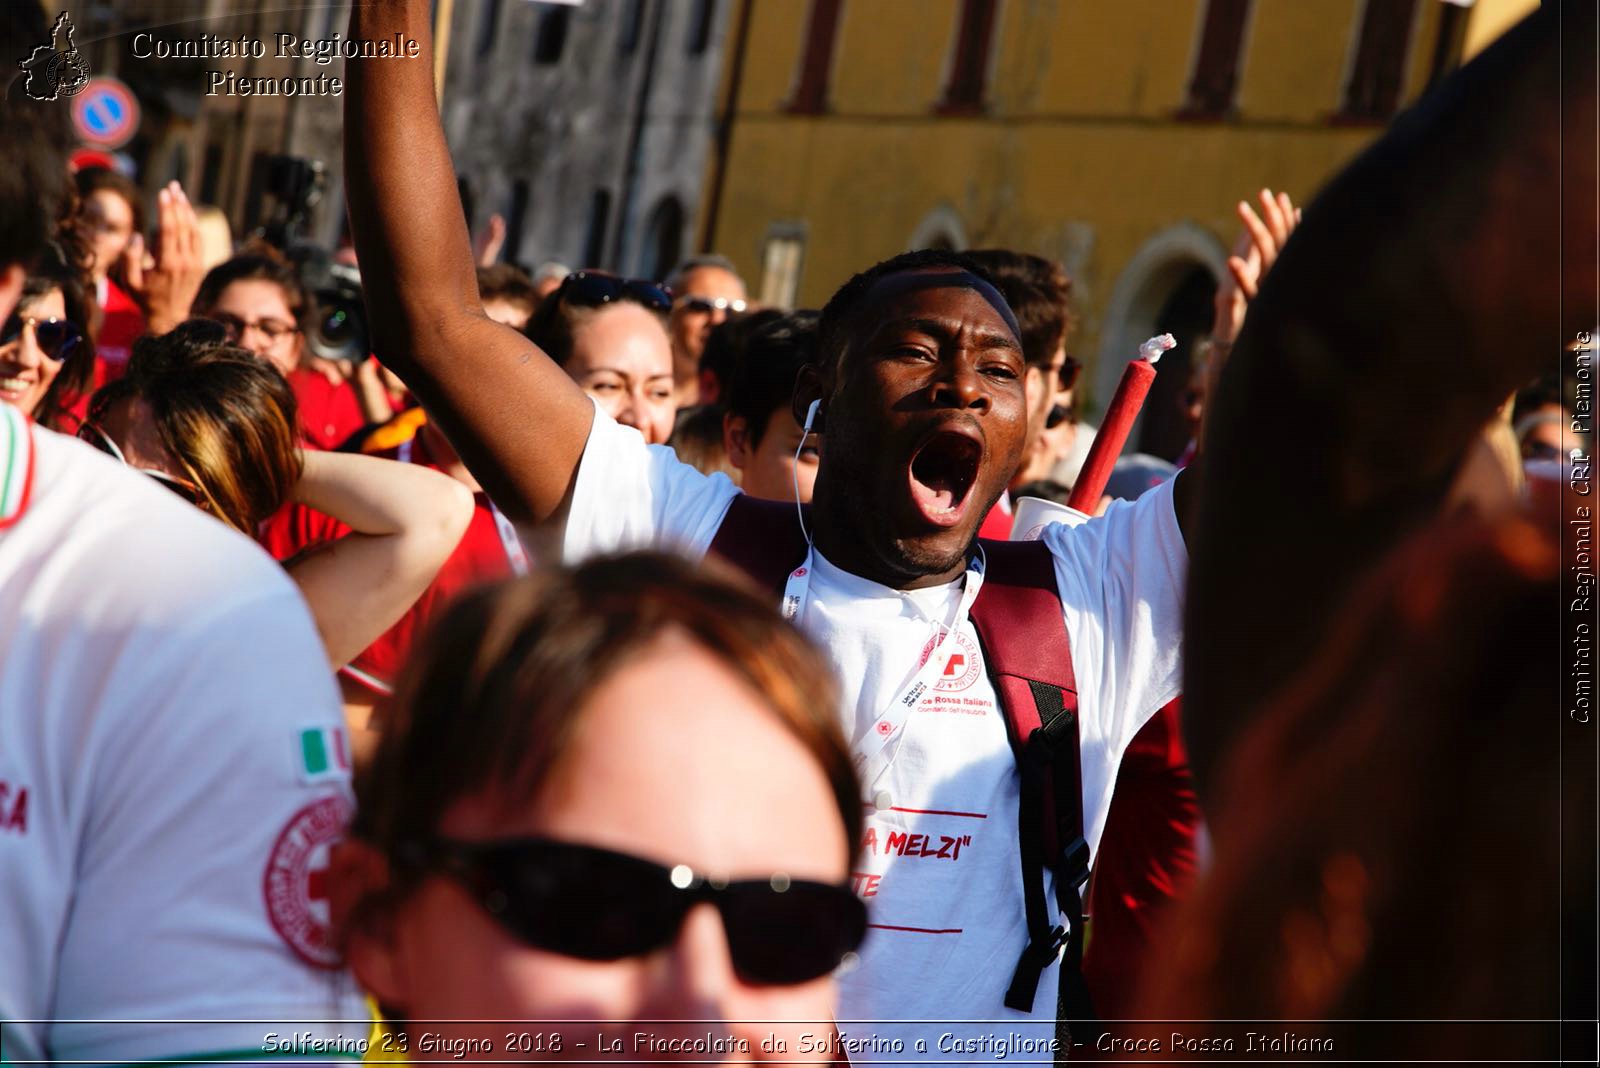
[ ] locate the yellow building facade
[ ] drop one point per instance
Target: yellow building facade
(1113, 135)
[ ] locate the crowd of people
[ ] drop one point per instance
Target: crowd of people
(624, 657)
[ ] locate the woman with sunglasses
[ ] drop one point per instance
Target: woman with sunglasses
(216, 425)
(46, 359)
(610, 336)
(610, 794)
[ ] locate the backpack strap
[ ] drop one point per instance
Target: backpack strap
(1024, 638)
(761, 539)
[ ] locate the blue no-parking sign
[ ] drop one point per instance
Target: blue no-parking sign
(106, 113)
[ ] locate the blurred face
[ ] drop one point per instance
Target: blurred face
(768, 468)
(128, 432)
(1192, 402)
(110, 226)
(622, 358)
(923, 429)
(26, 372)
(506, 313)
(1039, 387)
(547, 285)
(257, 316)
(651, 772)
(1046, 445)
(1543, 440)
(709, 295)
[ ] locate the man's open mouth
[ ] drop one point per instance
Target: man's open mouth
(941, 473)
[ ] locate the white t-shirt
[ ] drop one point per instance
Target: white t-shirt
(939, 866)
(172, 772)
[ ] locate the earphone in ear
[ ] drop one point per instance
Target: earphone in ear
(794, 474)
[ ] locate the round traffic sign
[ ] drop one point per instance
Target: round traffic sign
(106, 113)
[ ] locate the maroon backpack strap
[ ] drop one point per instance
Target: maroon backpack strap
(1019, 621)
(762, 539)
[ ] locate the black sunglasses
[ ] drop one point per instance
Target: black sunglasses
(594, 904)
(707, 305)
(92, 434)
(589, 289)
(56, 338)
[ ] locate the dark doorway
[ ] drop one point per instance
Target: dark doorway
(1164, 429)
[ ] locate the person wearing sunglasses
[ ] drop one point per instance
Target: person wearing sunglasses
(46, 358)
(609, 334)
(617, 794)
(707, 291)
(216, 426)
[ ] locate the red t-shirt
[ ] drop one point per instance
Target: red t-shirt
(480, 557)
(294, 528)
(329, 412)
(121, 324)
(1147, 859)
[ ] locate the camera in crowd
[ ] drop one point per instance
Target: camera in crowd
(337, 326)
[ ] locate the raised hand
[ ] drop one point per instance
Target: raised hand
(1254, 252)
(486, 246)
(166, 284)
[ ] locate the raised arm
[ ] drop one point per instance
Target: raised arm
(516, 419)
(406, 521)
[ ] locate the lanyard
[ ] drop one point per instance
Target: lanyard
(512, 543)
(508, 533)
(873, 755)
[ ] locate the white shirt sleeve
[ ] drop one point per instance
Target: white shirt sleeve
(1121, 578)
(630, 495)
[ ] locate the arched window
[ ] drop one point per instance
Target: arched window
(1373, 92)
(1215, 78)
(701, 16)
(550, 39)
(488, 27)
(1165, 288)
(516, 219)
(632, 25)
(816, 61)
(663, 240)
(940, 229)
(969, 69)
(594, 242)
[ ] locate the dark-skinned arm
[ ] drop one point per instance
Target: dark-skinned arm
(516, 419)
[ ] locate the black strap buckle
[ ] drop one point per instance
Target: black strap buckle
(1036, 957)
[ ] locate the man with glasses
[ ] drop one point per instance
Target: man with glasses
(706, 291)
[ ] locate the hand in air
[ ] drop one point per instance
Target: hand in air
(166, 283)
(1256, 250)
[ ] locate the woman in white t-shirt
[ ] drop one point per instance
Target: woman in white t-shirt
(216, 425)
(615, 795)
